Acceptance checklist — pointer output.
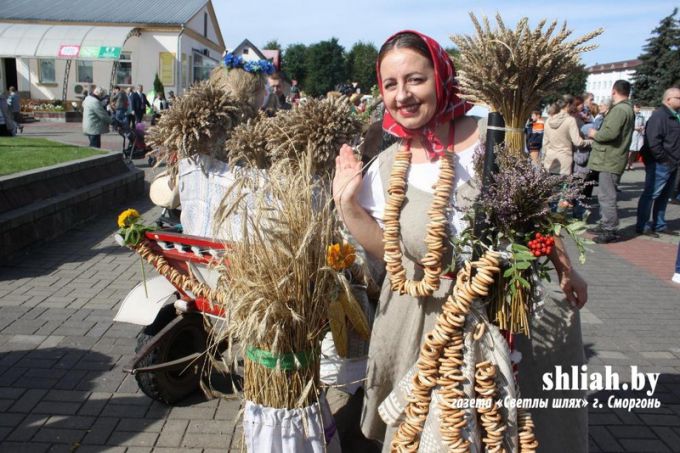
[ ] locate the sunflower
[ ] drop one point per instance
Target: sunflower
(127, 218)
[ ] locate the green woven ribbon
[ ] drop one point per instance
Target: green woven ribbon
(290, 361)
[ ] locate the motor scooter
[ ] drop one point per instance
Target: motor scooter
(174, 310)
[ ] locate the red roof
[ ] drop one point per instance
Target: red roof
(274, 55)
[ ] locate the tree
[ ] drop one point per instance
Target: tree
(660, 68)
(325, 67)
(454, 53)
(272, 44)
(293, 63)
(574, 84)
(361, 65)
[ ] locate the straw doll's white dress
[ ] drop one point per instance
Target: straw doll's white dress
(402, 321)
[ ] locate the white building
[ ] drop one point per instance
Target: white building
(601, 78)
(54, 49)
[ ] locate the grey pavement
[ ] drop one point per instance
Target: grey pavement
(62, 387)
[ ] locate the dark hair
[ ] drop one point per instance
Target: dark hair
(637, 105)
(570, 102)
(536, 112)
(622, 87)
(405, 40)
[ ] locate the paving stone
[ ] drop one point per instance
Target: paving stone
(196, 440)
(100, 449)
(146, 425)
(69, 422)
(94, 404)
(67, 395)
(70, 380)
(191, 413)
(60, 436)
(28, 339)
(179, 450)
(616, 355)
(28, 400)
(658, 355)
(172, 433)
(209, 427)
(24, 447)
(133, 439)
(28, 427)
(100, 431)
(603, 438)
(124, 410)
(644, 445)
(631, 432)
(54, 408)
(11, 420)
(660, 419)
(10, 393)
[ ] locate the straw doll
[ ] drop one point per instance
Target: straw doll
(411, 200)
(192, 135)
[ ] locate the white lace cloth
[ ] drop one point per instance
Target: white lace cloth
(306, 430)
(203, 184)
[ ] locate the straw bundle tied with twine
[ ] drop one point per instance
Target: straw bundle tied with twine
(512, 70)
(277, 283)
(278, 287)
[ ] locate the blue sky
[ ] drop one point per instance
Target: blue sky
(627, 24)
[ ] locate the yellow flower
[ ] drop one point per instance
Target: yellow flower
(340, 256)
(127, 218)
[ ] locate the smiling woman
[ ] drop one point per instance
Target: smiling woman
(406, 211)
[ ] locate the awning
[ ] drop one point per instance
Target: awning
(78, 42)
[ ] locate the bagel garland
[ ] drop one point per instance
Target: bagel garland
(527, 439)
(436, 228)
(440, 365)
(492, 421)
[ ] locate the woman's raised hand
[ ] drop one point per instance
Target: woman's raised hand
(347, 180)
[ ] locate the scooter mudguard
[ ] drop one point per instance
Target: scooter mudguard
(141, 306)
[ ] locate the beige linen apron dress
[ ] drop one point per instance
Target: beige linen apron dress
(402, 322)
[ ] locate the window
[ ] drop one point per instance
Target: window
(46, 71)
(203, 64)
(205, 25)
(84, 71)
(124, 72)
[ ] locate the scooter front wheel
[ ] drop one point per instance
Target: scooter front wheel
(171, 385)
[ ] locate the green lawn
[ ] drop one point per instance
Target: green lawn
(23, 153)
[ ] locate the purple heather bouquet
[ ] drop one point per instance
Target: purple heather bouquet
(523, 208)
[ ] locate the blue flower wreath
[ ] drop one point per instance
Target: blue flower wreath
(232, 61)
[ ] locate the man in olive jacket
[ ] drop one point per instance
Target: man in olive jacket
(609, 156)
(95, 118)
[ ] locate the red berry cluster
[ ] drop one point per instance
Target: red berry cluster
(541, 245)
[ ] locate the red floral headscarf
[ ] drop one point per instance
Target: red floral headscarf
(449, 105)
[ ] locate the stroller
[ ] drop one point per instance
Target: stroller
(134, 146)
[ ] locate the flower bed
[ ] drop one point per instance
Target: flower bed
(58, 117)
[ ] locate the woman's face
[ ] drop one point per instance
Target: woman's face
(408, 87)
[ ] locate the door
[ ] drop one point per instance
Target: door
(10, 67)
